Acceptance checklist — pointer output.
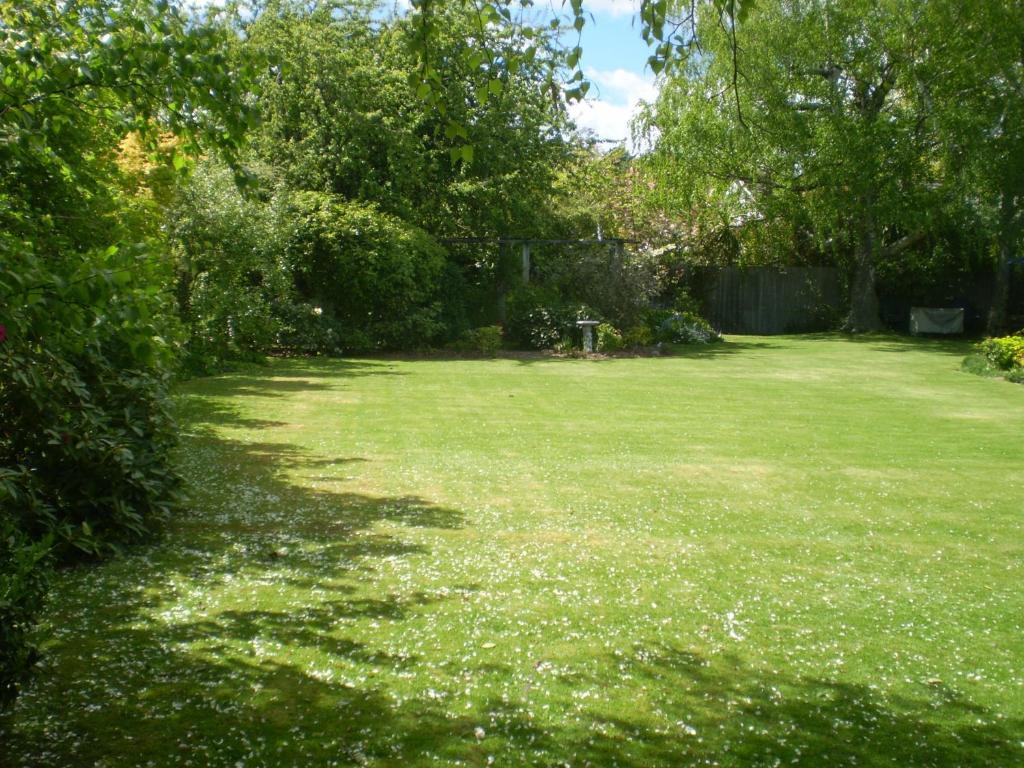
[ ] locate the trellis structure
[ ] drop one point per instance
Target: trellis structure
(526, 245)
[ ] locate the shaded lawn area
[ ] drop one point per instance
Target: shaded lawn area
(777, 551)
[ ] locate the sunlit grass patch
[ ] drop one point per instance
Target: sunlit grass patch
(788, 552)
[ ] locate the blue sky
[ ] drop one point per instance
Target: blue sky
(614, 59)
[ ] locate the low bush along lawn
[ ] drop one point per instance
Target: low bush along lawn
(769, 552)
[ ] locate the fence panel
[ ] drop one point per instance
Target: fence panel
(763, 300)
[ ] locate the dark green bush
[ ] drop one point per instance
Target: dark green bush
(654, 319)
(486, 340)
(306, 329)
(85, 432)
(684, 303)
(615, 283)
(375, 276)
(24, 574)
(531, 322)
(84, 375)
(538, 318)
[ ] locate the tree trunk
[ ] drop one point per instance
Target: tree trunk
(864, 311)
(996, 324)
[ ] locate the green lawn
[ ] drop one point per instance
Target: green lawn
(775, 551)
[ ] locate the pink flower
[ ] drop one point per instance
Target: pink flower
(3, 333)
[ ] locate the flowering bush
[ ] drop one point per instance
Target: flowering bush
(1004, 353)
(686, 328)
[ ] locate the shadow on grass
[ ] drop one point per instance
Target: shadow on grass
(668, 352)
(891, 342)
(234, 642)
(721, 349)
(765, 717)
(285, 377)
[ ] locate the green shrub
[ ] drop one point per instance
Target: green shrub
(608, 338)
(305, 328)
(531, 323)
(308, 271)
(85, 432)
(486, 340)
(377, 277)
(979, 365)
(84, 377)
(654, 319)
(544, 328)
(684, 303)
(234, 289)
(1016, 375)
(24, 574)
(638, 336)
(539, 318)
(1004, 353)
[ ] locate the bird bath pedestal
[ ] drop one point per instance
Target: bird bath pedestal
(588, 333)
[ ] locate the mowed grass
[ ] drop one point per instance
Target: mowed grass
(776, 551)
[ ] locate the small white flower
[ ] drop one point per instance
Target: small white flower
(318, 311)
(479, 733)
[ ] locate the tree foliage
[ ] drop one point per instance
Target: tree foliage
(357, 183)
(829, 128)
(342, 115)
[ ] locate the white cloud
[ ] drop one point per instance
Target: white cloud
(612, 7)
(613, 101)
(622, 85)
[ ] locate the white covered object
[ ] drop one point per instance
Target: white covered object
(936, 320)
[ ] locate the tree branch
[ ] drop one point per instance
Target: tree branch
(903, 244)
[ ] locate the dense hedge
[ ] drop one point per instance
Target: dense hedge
(85, 434)
(374, 275)
(310, 272)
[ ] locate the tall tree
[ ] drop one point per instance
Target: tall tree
(977, 88)
(814, 108)
(344, 114)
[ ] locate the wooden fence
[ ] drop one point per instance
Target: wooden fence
(763, 300)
